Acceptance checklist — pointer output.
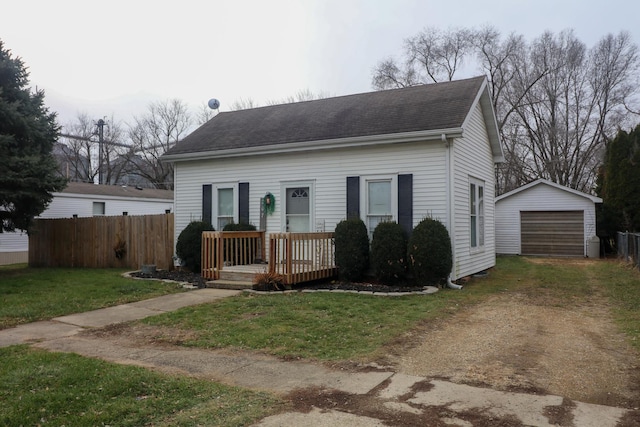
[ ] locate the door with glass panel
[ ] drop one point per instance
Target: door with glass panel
(297, 210)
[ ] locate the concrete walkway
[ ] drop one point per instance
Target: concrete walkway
(384, 390)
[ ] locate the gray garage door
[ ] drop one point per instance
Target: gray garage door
(552, 233)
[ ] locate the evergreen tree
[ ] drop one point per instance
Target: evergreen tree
(28, 131)
(619, 183)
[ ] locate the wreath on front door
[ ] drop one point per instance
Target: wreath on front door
(269, 204)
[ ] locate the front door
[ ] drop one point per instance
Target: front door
(297, 210)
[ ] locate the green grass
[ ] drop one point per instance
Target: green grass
(31, 294)
(41, 388)
(622, 285)
(337, 326)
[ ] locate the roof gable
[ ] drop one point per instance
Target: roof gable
(434, 107)
(542, 181)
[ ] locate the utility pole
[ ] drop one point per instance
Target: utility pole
(100, 125)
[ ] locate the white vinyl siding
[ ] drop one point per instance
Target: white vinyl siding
(541, 197)
(473, 163)
(66, 205)
(328, 169)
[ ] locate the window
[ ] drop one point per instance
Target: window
(380, 202)
(225, 206)
(298, 206)
(476, 212)
(98, 208)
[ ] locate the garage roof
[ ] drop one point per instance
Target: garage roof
(541, 181)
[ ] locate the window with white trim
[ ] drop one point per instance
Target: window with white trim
(225, 204)
(98, 208)
(380, 201)
(476, 213)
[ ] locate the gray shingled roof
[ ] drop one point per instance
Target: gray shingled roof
(418, 108)
(116, 191)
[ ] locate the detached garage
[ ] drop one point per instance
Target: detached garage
(545, 218)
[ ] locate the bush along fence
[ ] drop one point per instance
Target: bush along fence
(628, 245)
(103, 242)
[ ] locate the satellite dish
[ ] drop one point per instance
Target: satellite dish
(214, 104)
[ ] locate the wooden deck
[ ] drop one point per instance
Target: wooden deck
(299, 257)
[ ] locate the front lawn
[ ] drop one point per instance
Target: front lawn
(31, 294)
(335, 326)
(38, 388)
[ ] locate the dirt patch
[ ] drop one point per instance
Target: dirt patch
(391, 413)
(512, 343)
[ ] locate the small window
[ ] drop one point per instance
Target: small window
(225, 207)
(476, 213)
(98, 208)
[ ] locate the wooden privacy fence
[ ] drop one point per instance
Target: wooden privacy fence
(103, 242)
(302, 257)
(229, 248)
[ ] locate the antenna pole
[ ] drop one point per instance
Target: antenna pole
(100, 125)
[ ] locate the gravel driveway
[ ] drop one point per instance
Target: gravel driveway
(526, 342)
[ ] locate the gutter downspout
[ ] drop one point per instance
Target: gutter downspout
(450, 204)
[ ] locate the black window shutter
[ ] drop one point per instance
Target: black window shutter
(207, 203)
(243, 203)
(353, 197)
(405, 202)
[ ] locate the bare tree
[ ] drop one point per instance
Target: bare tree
(556, 101)
(152, 134)
(243, 104)
(431, 56)
(579, 102)
(79, 153)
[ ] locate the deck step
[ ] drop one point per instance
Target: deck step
(229, 284)
(237, 276)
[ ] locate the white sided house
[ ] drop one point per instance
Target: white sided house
(400, 155)
(545, 218)
(85, 200)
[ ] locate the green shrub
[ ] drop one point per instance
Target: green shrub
(241, 226)
(389, 252)
(189, 244)
(352, 248)
(429, 252)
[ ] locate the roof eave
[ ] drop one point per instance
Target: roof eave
(359, 141)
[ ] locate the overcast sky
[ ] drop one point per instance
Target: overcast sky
(114, 57)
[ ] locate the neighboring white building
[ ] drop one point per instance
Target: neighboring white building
(401, 155)
(545, 218)
(84, 200)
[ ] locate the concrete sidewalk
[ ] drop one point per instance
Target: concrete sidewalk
(393, 396)
(65, 326)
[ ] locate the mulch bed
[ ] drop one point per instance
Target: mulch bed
(196, 280)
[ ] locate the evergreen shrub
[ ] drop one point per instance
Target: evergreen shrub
(429, 252)
(352, 248)
(189, 244)
(389, 252)
(241, 226)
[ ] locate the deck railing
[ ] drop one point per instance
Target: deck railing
(227, 248)
(302, 257)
